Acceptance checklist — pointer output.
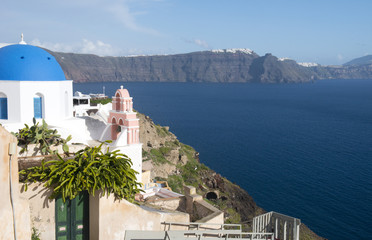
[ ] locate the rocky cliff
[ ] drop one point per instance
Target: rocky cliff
(343, 72)
(209, 66)
(223, 66)
(179, 164)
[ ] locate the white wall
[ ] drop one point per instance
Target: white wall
(134, 152)
(11, 90)
(57, 99)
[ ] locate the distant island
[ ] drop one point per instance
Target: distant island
(216, 66)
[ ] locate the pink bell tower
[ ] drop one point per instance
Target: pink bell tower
(124, 122)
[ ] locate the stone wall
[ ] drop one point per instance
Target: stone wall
(20, 206)
(199, 210)
(42, 209)
(117, 216)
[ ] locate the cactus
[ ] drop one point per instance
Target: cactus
(41, 135)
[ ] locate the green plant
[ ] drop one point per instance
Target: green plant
(100, 101)
(232, 216)
(188, 151)
(35, 235)
(41, 135)
(172, 144)
(164, 150)
(157, 156)
(162, 131)
(176, 183)
(190, 173)
(89, 170)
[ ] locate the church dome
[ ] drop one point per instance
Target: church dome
(21, 62)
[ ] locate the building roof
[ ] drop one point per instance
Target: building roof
(20, 62)
(123, 93)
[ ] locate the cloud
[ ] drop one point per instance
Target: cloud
(84, 46)
(126, 17)
(198, 42)
(125, 12)
(201, 43)
(340, 57)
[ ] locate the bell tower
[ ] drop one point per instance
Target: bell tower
(124, 126)
(124, 122)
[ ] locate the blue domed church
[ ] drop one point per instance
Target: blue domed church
(32, 85)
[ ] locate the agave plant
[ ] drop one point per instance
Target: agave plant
(89, 170)
(41, 135)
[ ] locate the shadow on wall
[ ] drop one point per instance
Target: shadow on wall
(95, 127)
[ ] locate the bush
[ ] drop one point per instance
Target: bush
(162, 131)
(175, 183)
(89, 170)
(100, 101)
(164, 150)
(158, 157)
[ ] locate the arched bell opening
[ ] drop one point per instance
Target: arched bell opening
(115, 129)
(117, 104)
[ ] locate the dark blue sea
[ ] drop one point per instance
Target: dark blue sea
(304, 150)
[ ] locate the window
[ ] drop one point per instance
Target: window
(83, 101)
(38, 106)
(3, 106)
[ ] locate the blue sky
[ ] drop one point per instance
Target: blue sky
(322, 31)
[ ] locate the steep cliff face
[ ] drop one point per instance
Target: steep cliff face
(208, 66)
(222, 66)
(269, 69)
(179, 164)
(343, 72)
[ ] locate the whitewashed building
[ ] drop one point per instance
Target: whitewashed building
(32, 85)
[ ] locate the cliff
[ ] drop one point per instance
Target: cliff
(179, 164)
(223, 66)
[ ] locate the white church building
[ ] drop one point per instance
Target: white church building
(33, 85)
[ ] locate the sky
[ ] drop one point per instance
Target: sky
(328, 32)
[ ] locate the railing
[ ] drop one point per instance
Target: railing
(269, 226)
(203, 226)
(195, 235)
(216, 235)
(282, 226)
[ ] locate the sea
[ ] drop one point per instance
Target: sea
(304, 150)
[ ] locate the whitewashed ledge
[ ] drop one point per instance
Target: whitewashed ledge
(33, 150)
(33, 156)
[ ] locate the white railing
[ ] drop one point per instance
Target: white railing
(283, 227)
(195, 235)
(216, 235)
(269, 226)
(202, 226)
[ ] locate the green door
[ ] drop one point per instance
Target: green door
(72, 218)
